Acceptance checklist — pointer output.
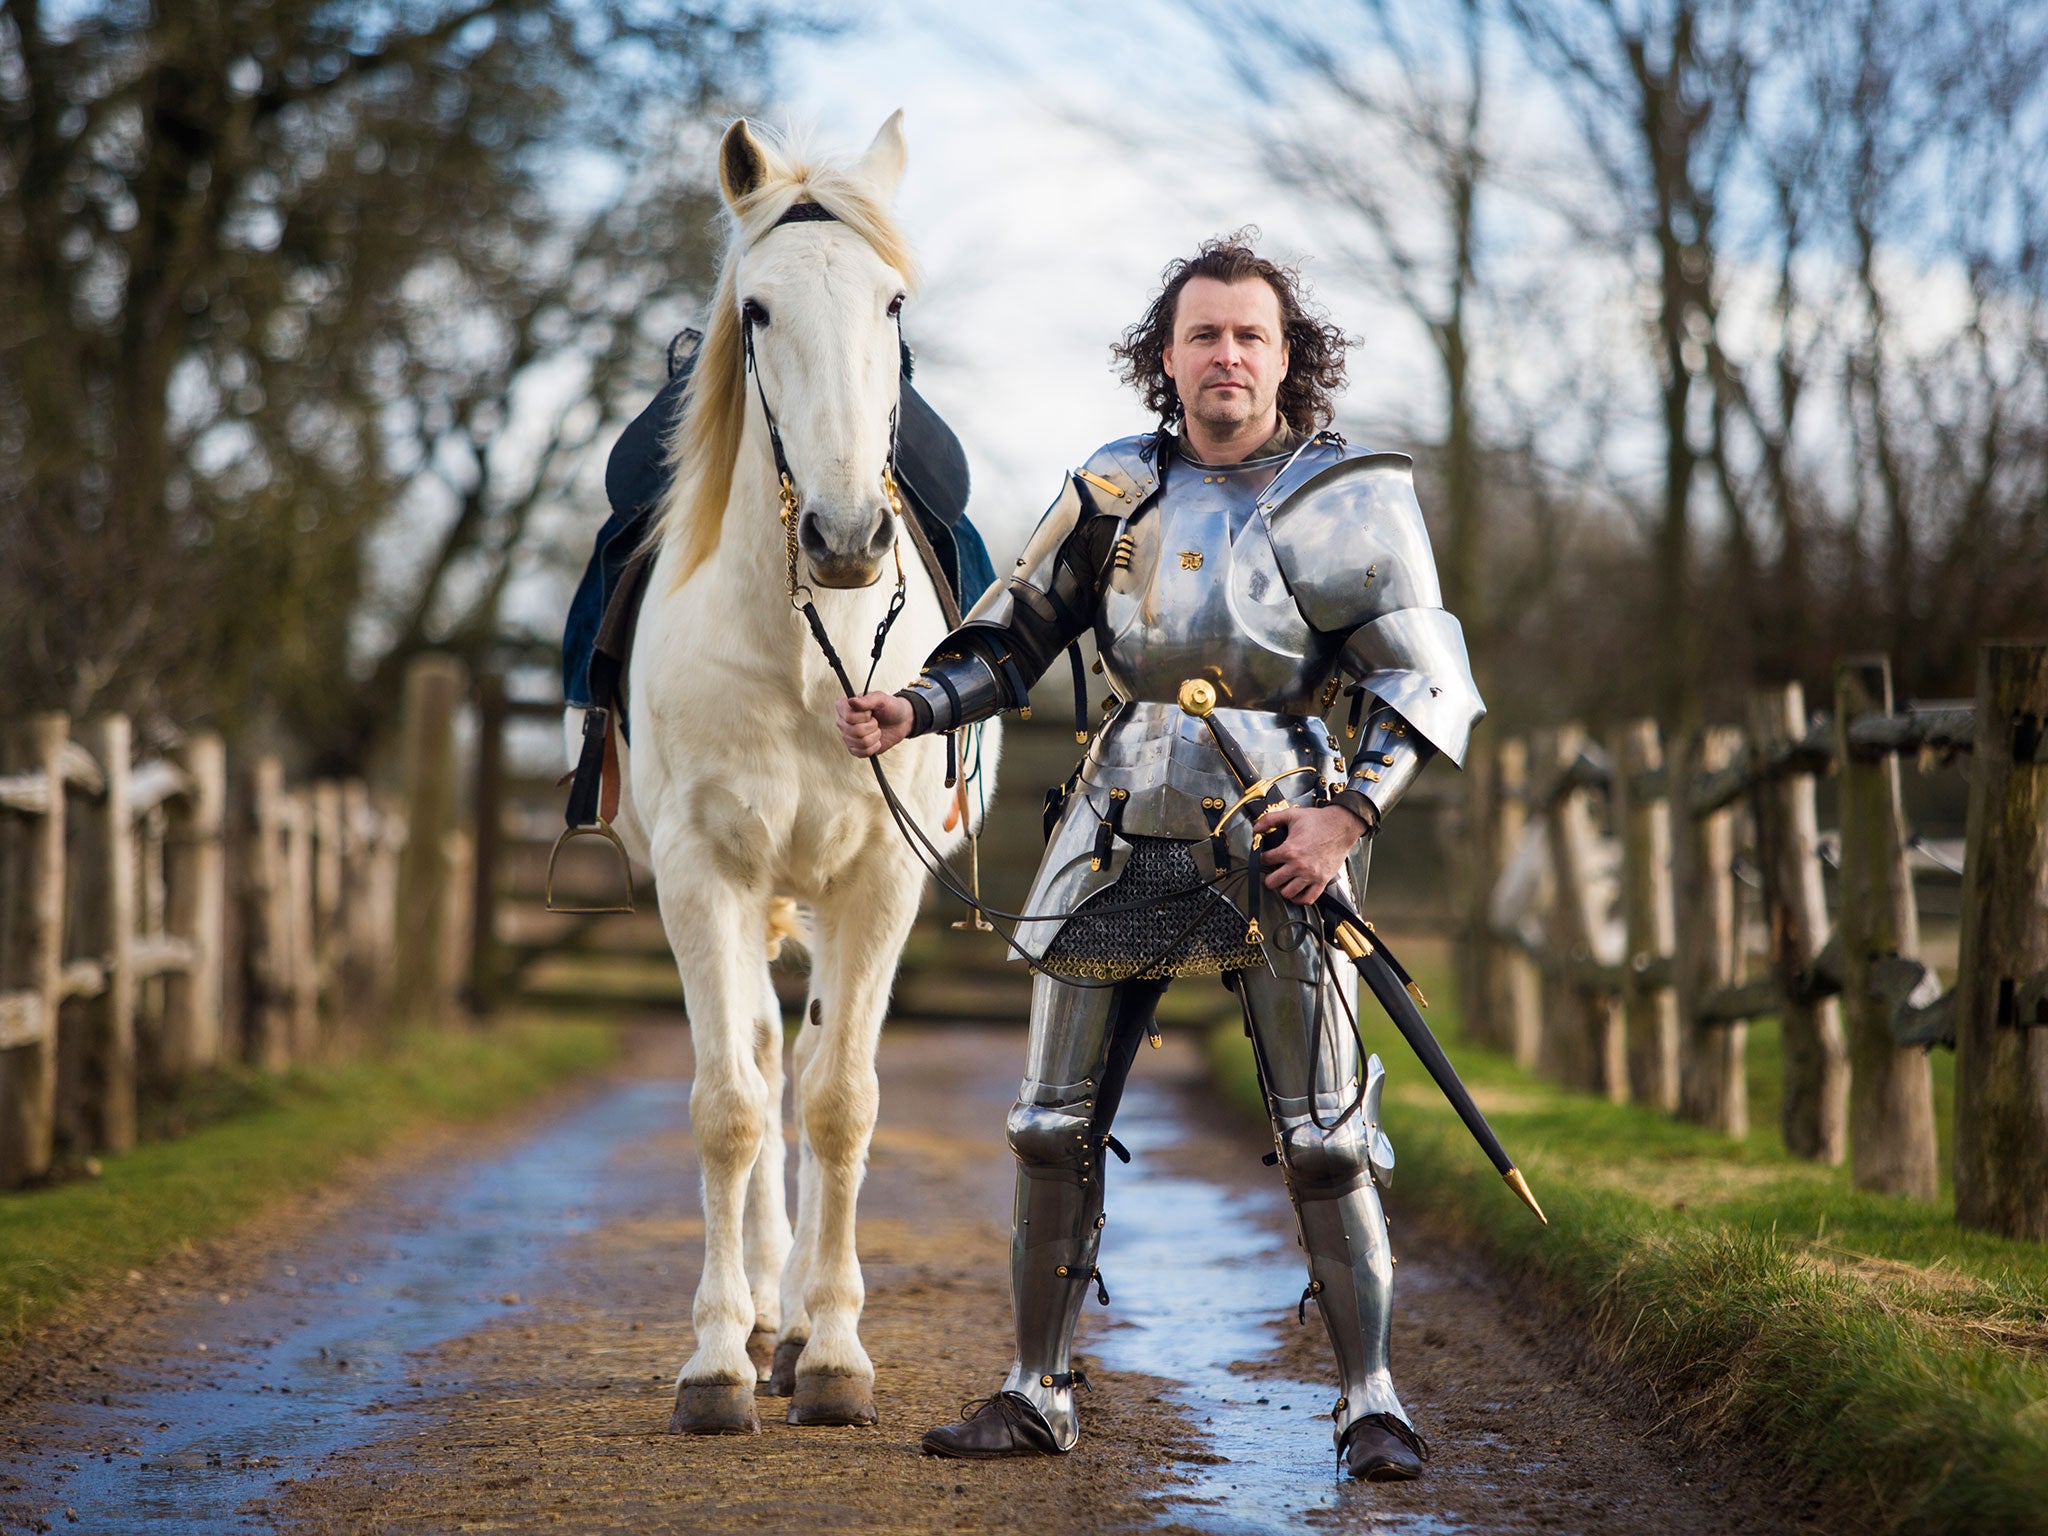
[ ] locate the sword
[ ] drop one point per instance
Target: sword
(1383, 974)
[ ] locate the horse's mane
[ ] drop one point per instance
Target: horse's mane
(705, 445)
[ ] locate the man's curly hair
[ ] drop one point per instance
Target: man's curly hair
(1315, 348)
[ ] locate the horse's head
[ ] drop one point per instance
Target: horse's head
(821, 301)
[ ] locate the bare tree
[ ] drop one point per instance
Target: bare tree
(267, 269)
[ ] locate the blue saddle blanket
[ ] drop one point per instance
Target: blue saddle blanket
(931, 468)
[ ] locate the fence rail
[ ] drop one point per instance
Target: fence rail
(1617, 960)
(146, 934)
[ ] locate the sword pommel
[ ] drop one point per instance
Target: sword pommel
(1520, 1186)
(1198, 697)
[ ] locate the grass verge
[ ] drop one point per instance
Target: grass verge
(283, 1135)
(1901, 1359)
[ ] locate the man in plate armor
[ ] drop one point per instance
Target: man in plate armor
(1244, 544)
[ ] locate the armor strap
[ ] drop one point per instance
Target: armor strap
(1080, 670)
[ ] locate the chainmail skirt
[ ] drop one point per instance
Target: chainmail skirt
(1185, 932)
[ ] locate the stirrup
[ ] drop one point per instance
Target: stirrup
(599, 828)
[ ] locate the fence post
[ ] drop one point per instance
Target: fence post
(1518, 984)
(267, 931)
(302, 976)
(108, 913)
(1642, 823)
(1581, 1028)
(433, 691)
(1713, 1087)
(1891, 1091)
(1815, 1112)
(327, 854)
(2001, 1142)
(360, 975)
(195, 909)
(485, 962)
(33, 953)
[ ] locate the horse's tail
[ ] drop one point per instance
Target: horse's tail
(785, 921)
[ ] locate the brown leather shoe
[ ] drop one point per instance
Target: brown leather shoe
(1003, 1425)
(1379, 1448)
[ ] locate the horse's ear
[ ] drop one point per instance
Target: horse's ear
(743, 162)
(882, 165)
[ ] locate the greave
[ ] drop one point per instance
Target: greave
(1052, 1265)
(1351, 1280)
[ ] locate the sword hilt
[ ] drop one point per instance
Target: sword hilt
(1198, 698)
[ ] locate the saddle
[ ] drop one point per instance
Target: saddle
(597, 637)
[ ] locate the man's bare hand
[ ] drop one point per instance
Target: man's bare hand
(873, 723)
(1318, 839)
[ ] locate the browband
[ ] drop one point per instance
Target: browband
(806, 213)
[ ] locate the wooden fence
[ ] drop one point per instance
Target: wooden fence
(1659, 1017)
(148, 933)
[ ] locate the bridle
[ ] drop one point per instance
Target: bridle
(818, 213)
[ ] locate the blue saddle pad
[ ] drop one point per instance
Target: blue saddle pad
(931, 467)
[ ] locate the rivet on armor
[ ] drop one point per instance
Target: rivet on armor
(1061, 1271)
(1342, 1404)
(1045, 1381)
(1387, 757)
(1099, 1222)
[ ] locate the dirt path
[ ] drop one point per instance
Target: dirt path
(489, 1345)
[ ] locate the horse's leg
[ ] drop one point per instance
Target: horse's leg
(861, 930)
(796, 1269)
(715, 931)
(767, 1223)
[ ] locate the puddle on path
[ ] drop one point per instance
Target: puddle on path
(1201, 1281)
(291, 1370)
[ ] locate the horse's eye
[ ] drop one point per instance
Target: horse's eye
(896, 305)
(754, 312)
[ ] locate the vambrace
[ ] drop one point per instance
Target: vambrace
(1389, 756)
(1414, 661)
(961, 684)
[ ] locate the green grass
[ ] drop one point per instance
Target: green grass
(1902, 1359)
(264, 1138)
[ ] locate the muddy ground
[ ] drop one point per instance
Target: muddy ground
(543, 1404)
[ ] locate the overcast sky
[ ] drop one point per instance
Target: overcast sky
(1060, 156)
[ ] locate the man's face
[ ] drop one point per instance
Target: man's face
(1228, 356)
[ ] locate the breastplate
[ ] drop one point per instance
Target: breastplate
(1196, 591)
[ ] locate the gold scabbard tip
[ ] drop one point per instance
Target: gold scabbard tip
(1520, 1186)
(1416, 992)
(1198, 697)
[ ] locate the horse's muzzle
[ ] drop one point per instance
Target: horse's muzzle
(832, 564)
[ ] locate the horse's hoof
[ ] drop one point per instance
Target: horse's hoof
(761, 1350)
(714, 1408)
(833, 1400)
(782, 1379)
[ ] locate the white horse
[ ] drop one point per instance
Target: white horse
(738, 792)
